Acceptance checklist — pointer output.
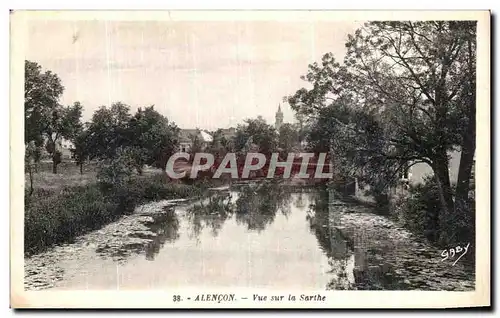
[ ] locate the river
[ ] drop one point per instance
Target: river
(256, 236)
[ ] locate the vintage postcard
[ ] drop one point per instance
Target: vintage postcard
(250, 159)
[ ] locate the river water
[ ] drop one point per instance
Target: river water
(257, 236)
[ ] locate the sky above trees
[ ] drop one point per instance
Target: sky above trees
(198, 74)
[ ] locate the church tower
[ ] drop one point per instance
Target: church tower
(279, 118)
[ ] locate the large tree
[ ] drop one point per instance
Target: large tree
(42, 90)
(148, 137)
(108, 130)
(153, 137)
(405, 94)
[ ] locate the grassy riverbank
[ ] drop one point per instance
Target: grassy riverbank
(67, 204)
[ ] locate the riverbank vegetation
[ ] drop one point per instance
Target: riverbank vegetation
(59, 214)
(403, 95)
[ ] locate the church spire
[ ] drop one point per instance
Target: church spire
(279, 118)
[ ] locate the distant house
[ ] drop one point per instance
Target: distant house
(228, 133)
(65, 146)
(188, 137)
(62, 145)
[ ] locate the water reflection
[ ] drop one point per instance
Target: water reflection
(352, 263)
(254, 206)
(166, 226)
(257, 205)
(324, 222)
(211, 212)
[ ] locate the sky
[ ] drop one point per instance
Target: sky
(199, 74)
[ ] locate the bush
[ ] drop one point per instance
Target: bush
(459, 227)
(420, 209)
(420, 212)
(116, 171)
(54, 219)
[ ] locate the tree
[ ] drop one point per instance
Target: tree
(302, 126)
(64, 122)
(259, 132)
(147, 137)
(153, 137)
(197, 142)
(405, 94)
(108, 130)
(81, 147)
(288, 137)
(220, 143)
(29, 155)
(42, 91)
(116, 171)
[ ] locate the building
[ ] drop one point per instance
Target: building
(189, 137)
(65, 146)
(228, 133)
(62, 145)
(278, 118)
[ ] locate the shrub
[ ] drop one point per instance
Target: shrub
(459, 227)
(116, 171)
(421, 211)
(54, 219)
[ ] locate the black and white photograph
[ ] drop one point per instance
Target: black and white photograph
(250, 159)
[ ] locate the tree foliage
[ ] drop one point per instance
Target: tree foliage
(150, 137)
(46, 121)
(64, 122)
(258, 132)
(153, 137)
(42, 91)
(288, 138)
(221, 144)
(107, 130)
(81, 148)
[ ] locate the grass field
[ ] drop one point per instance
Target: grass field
(68, 175)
